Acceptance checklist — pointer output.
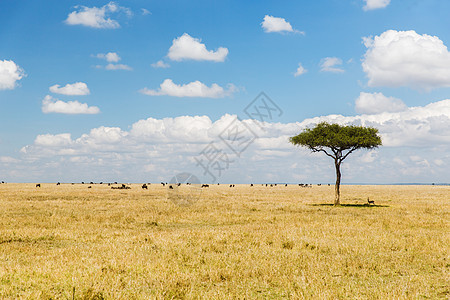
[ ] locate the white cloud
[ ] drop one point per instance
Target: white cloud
(414, 126)
(96, 17)
(405, 58)
(160, 64)
(192, 89)
(51, 105)
(329, 64)
(375, 4)
(8, 160)
(274, 24)
(376, 103)
(111, 57)
(145, 12)
(113, 67)
(300, 70)
(186, 47)
(75, 89)
(50, 140)
(10, 73)
(416, 146)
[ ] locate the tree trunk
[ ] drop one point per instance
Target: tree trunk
(337, 200)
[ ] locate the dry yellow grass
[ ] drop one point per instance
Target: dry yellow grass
(258, 242)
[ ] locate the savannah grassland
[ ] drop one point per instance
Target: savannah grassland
(71, 242)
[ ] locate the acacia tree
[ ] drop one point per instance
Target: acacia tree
(337, 142)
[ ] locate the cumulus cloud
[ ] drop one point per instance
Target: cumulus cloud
(376, 103)
(375, 4)
(111, 57)
(274, 24)
(414, 126)
(186, 47)
(74, 89)
(416, 139)
(300, 70)
(96, 17)
(406, 58)
(329, 64)
(160, 64)
(51, 105)
(192, 89)
(10, 73)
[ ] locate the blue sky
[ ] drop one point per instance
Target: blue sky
(77, 78)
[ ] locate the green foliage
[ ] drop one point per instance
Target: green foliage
(337, 138)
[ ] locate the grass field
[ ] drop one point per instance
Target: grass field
(71, 242)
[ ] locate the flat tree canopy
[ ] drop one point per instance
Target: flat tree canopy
(337, 141)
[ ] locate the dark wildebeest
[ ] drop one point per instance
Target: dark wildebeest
(38, 185)
(89, 187)
(59, 183)
(144, 186)
(285, 184)
(171, 187)
(205, 185)
(163, 184)
(251, 184)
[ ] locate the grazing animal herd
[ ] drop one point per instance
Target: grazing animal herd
(170, 186)
(145, 185)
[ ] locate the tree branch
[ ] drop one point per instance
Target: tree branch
(345, 156)
(324, 151)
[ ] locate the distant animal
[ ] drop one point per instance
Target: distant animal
(251, 184)
(205, 185)
(329, 184)
(38, 185)
(170, 187)
(82, 182)
(59, 183)
(89, 187)
(91, 182)
(178, 184)
(370, 201)
(122, 187)
(101, 182)
(144, 186)
(231, 185)
(271, 185)
(266, 184)
(285, 184)
(163, 184)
